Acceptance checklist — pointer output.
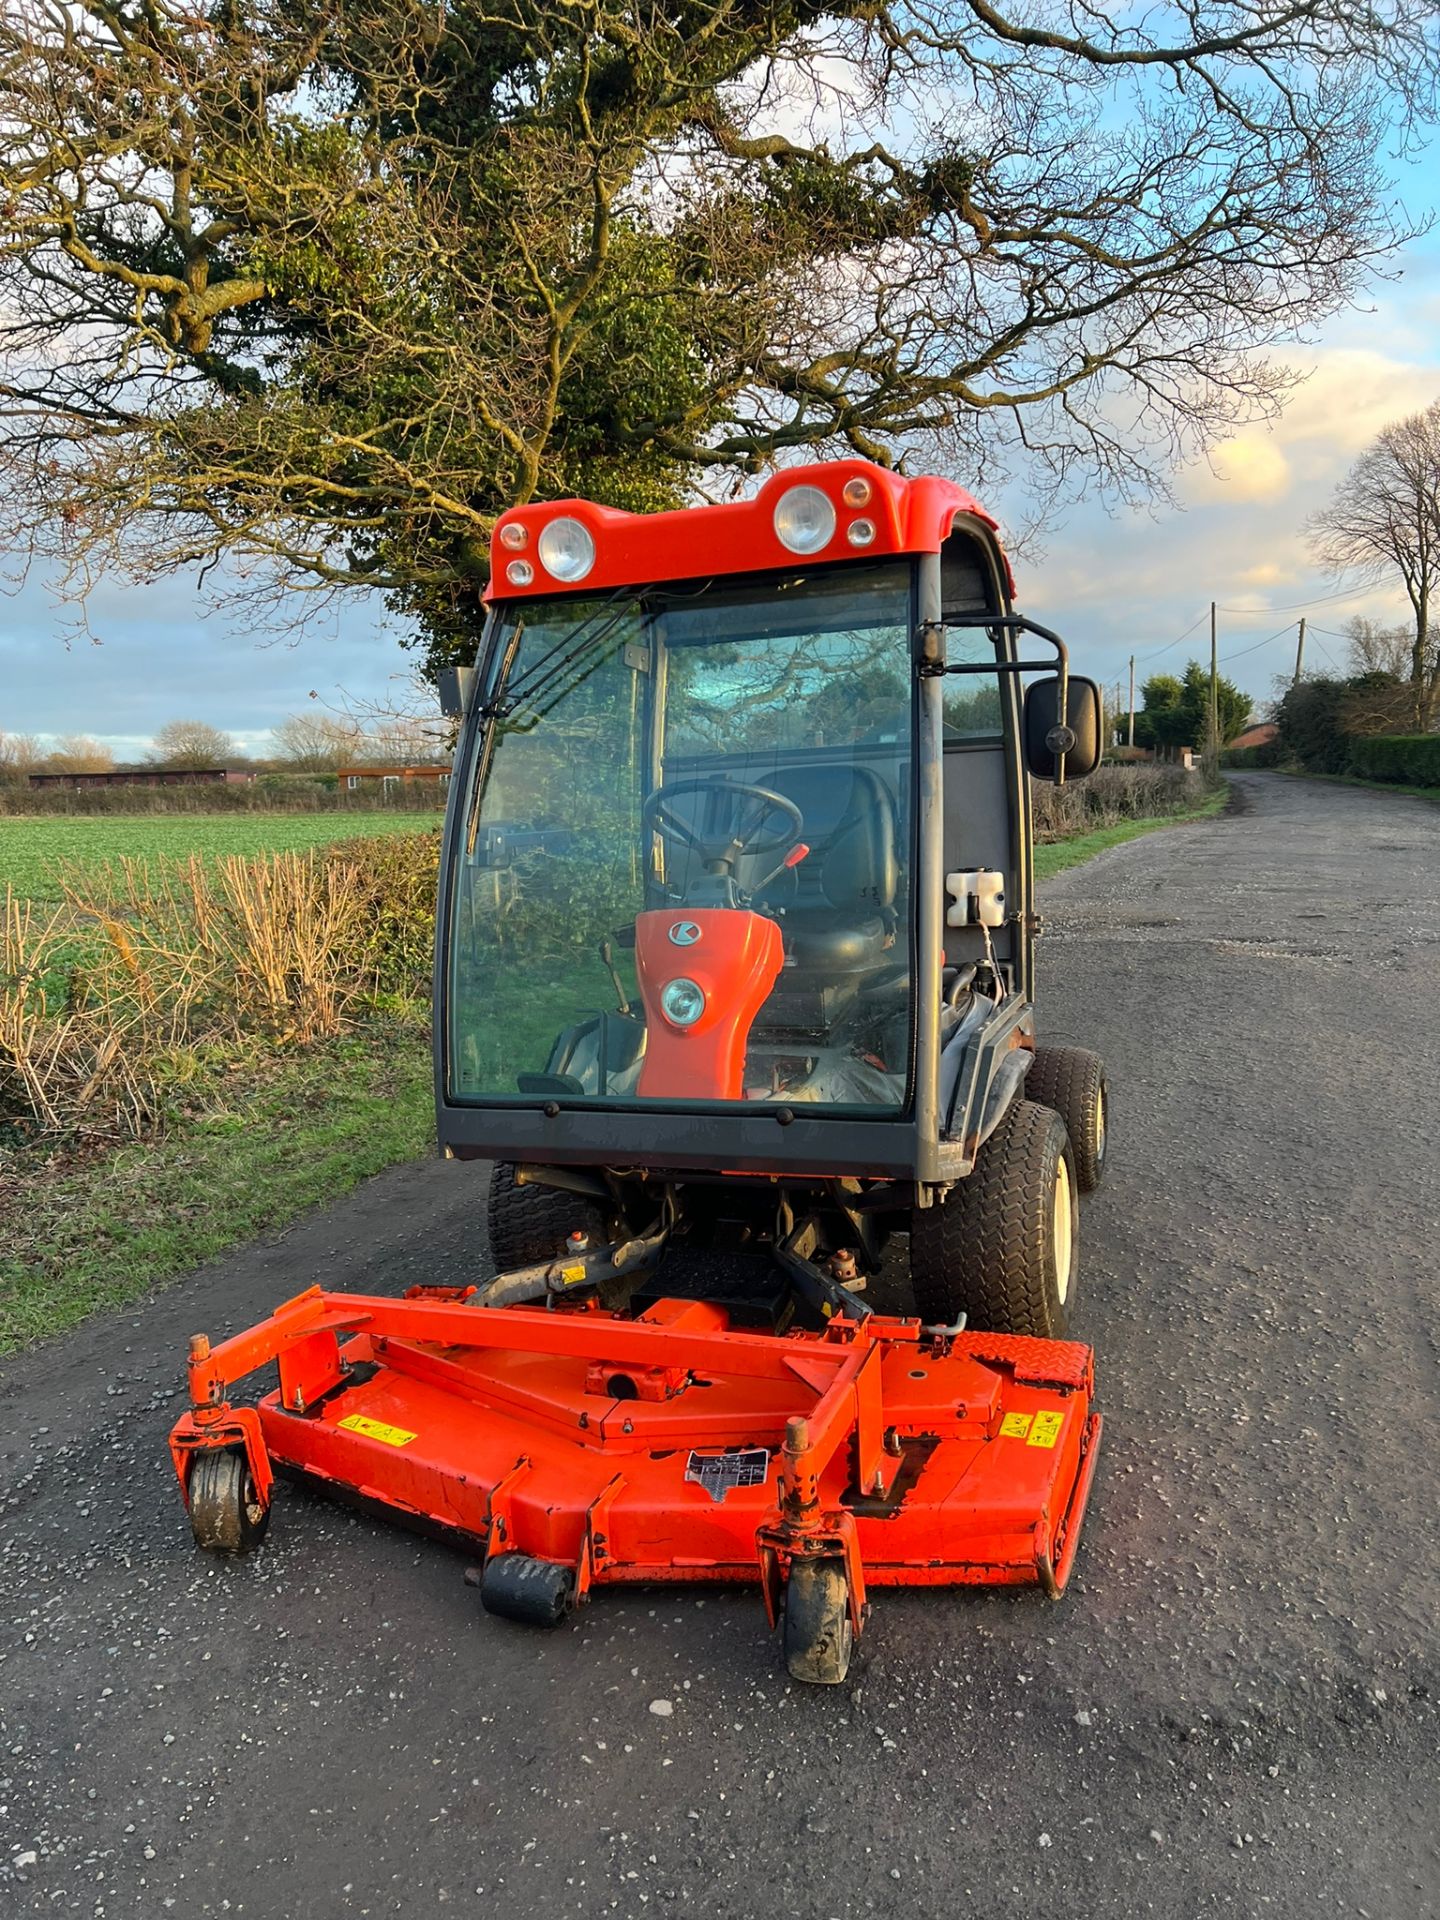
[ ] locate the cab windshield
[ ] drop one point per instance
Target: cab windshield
(684, 870)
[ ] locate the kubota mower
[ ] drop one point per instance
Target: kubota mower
(734, 983)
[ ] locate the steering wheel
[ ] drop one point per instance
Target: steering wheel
(749, 811)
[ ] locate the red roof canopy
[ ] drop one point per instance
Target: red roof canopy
(631, 549)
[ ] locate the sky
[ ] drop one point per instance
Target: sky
(1135, 582)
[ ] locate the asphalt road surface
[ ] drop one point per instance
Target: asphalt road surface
(1232, 1710)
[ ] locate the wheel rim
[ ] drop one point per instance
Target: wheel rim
(1100, 1127)
(1063, 1225)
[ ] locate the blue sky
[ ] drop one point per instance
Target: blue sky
(1133, 582)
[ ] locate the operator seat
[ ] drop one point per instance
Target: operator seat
(839, 904)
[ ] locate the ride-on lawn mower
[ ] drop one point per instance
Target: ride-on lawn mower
(733, 981)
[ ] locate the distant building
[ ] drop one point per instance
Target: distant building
(352, 777)
(1260, 735)
(150, 777)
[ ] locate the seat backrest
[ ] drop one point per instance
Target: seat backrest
(853, 866)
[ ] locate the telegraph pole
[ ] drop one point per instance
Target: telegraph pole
(1299, 652)
(1214, 693)
(1132, 700)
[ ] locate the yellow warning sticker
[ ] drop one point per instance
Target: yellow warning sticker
(1015, 1426)
(376, 1430)
(572, 1275)
(1046, 1430)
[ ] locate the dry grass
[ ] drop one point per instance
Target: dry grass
(108, 997)
(1113, 794)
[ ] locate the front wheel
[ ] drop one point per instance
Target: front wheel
(1000, 1249)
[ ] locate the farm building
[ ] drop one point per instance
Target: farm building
(353, 777)
(149, 777)
(1259, 735)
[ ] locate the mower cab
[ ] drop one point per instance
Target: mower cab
(734, 981)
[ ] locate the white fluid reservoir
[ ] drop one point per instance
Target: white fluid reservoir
(977, 898)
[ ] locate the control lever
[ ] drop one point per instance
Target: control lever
(792, 859)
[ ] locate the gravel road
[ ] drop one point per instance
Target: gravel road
(1233, 1710)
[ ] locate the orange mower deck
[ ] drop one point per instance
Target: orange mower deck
(671, 1447)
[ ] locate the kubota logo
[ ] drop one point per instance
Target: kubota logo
(684, 933)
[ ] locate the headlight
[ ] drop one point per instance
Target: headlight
(519, 573)
(857, 492)
(513, 535)
(682, 1002)
(860, 533)
(566, 549)
(804, 520)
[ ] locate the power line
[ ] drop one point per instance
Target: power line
(1240, 655)
(1151, 652)
(1299, 606)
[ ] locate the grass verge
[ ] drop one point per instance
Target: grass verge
(96, 1231)
(1058, 855)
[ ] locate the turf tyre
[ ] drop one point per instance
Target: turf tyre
(1072, 1081)
(1001, 1247)
(529, 1224)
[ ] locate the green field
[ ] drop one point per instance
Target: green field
(30, 847)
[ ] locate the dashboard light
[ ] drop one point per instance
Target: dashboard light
(860, 533)
(514, 536)
(519, 573)
(804, 520)
(682, 1002)
(566, 549)
(857, 492)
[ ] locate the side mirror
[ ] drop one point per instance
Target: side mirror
(455, 685)
(1080, 735)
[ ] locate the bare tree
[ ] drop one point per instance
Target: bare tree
(1377, 649)
(20, 754)
(78, 753)
(190, 743)
(330, 286)
(317, 742)
(1384, 523)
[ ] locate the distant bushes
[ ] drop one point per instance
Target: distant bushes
(1113, 794)
(1409, 759)
(271, 793)
(1266, 755)
(1350, 726)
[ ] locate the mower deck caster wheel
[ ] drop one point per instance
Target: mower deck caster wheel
(819, 1637)
(538, 1593)
(225, 1515)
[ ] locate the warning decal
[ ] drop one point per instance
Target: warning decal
(717, 1473)
(376, 1430)
(1015, 1426)
(1046, 1430)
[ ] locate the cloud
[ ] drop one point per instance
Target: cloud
(1249, 467)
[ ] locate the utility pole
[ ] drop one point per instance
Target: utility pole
(1299, 652)
(1132, 700)
(1214, 695)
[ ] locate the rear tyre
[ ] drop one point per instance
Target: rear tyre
(1001, 1247)
(819, 1636)
(537, 1593)
(530, 1224)
(1072, 1081)
(225, 1515)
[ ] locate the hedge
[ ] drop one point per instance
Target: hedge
(1409, 759)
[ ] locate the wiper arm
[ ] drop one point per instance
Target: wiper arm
(562, 658)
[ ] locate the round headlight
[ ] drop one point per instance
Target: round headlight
(566, 549)
(857, 492)
(804, 520)
(682, 1002)
(860, 533)
(519, 573)
(513, 535)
